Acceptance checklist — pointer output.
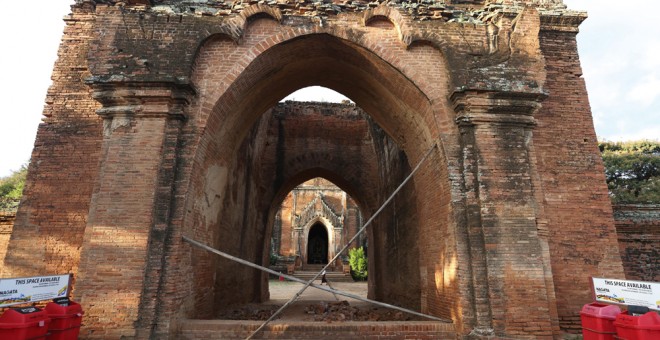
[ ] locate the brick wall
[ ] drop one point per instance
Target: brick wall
(638, 230)
(581, 234)
(396, 257)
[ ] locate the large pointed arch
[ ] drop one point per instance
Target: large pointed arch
(233, 95)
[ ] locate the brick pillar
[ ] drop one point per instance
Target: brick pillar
(506, 255)
(124, 240)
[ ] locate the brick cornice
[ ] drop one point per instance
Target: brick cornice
(563, 21)
(142, 99)
(481, 107)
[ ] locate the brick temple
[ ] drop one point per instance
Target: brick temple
(163, 121)
(316, 220)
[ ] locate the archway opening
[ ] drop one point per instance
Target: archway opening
(317, 244)
(255, 151)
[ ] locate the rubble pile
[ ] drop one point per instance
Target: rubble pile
(343, 311)
(255, 313)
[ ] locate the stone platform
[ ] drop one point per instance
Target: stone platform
(331, 276)
(229, 329)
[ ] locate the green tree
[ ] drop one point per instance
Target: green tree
(11, 189)
(358, 261)
(632, 170)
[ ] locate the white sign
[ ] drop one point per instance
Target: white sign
(30, 289)
(631, 293)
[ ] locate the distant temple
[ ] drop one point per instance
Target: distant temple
(316, 220)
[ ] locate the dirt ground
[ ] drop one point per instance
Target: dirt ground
(315, 305)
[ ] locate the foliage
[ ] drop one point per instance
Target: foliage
(273, 259)
(358, 261)
(632, 170)
(11, 189)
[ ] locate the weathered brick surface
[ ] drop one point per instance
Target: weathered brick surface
(581, 234)
(638, 231)
(495, 231)
(502, 216)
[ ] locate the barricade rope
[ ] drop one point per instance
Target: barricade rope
(310, 282)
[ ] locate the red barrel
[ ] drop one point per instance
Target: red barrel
(643, 327)
(66, 317)
(25, 323)
(598, 321)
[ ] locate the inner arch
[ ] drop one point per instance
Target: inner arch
(394, 101)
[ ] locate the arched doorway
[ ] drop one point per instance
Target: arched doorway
(270, 154)
(317, 245)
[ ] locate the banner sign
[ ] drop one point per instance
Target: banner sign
(631, 293)
(30, 289)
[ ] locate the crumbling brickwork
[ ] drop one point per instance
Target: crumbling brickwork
(159, 124)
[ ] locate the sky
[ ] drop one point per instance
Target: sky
(619, 48)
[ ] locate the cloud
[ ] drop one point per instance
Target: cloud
(651, 50)
(646, 91)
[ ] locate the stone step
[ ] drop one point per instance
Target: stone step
(241, 329)
(331, 276)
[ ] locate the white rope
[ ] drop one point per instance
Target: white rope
(295, 297)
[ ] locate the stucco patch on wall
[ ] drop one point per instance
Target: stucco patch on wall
(214, 189)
